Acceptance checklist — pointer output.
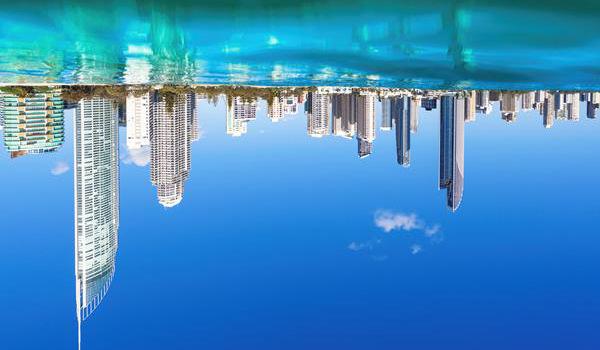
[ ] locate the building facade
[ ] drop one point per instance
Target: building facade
(96, 171)
(138, 120)
(33, 124)
(170, 145)
(452, 122)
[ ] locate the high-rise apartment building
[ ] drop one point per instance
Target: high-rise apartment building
(470, 106)
(509, 104)
(401, 106)
(318, 109)
(138, 120)
(452, 122)
(96, 168)
(364, 105)
(386, 114)
(33, 124)
(170, 145)
(343, 115)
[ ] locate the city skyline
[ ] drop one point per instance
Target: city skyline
(167, 123)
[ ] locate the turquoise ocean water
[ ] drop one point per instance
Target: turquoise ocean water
(422, 44)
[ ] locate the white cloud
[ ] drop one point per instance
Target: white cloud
(422, 234)
(431, 231)
(137, 156)
(367, 245)
(389, 221)
(60, 168)
(355, 246)
(415, 249)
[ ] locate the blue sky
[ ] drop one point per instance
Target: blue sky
(280, 242)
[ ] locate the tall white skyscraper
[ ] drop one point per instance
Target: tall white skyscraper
(276, 109)
(170, 148)
(318, 110)
(96, 169)
(138, 120)
(364, 105)
(413, 113)
(470, 106)
(1, 111)
(572, 106)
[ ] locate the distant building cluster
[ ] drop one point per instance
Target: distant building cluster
(166, 123)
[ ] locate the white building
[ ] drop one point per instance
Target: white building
(365, 117)
(138, 120)
(239, 112)
(170, 149)
(318, 109)
(96, 201)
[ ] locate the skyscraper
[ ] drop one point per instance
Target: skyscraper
(559, 105)
(318, 110)
(33, 124)
(539, 99)
(527, 100)
(275, 109)
(1, 110)
(138, 120)
(548, 110)
(364, 105)
(343, 115)
(413, 112)
(452, 148)
(470, 106)
(96, 171)
(170, 139)
(591, 109)
(572, 106)
(239, 112)
(482, 102)
(386, 114)
(509, 106)
(401, 113)
(192, 115)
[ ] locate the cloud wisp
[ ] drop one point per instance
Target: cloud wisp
(137, 156)
(415, 249)
(389, 221)
(60, 168)
(368, 245)
(416, 230)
